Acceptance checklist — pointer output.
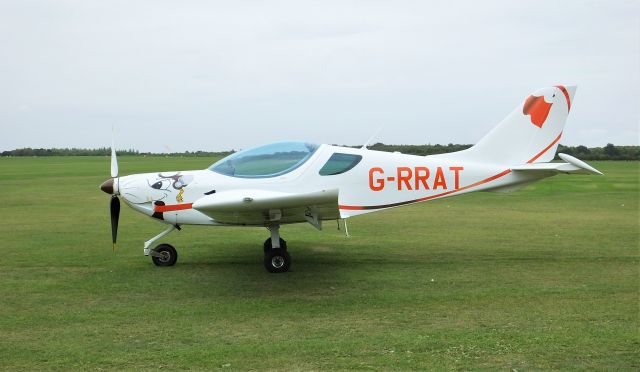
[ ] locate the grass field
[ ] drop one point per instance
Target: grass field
(545, 278)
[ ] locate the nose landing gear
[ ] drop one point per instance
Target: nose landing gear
(163, 254)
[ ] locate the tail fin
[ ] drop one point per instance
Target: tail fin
(530, 134)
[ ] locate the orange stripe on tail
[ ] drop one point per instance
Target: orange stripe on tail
(545, 149)
(566, 95)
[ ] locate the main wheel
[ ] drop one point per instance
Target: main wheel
(277, 260)
(267, 244)
(169, 255)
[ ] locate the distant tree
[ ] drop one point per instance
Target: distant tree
(611, 151)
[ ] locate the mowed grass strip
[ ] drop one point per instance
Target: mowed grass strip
(544, 278)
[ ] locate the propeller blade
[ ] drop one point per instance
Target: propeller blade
(115, 216)
(114, 160)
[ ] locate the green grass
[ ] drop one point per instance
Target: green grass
(545, 278)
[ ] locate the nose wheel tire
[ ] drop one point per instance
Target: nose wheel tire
(168, 255)
(277, 260)
(267, 244)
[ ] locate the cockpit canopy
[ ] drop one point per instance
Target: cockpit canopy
(265, 161)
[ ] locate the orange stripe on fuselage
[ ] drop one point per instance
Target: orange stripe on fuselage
(365, 207)
(171, 208)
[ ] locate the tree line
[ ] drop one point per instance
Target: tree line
(608, 152)
(102, 151)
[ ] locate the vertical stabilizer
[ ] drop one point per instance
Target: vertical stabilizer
(530, 134)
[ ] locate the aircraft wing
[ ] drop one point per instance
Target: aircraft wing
(259, 207)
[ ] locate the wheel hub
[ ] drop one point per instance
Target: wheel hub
(277, 261)
(166, 256)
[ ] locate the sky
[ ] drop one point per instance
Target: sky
(175, 76)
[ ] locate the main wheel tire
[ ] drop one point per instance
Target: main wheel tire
(169, 255)
(267, 244)
(277, 260)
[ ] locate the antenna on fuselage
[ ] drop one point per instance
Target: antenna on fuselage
(364, 147)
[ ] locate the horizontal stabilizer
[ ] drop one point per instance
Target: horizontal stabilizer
(572, 165)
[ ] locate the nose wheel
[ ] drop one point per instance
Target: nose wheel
(164, 255)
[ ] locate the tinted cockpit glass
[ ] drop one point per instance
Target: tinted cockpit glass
(339, 163)
(265, 161)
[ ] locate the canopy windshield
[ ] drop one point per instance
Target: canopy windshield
(265, 161)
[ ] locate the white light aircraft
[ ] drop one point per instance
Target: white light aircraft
(292, 182)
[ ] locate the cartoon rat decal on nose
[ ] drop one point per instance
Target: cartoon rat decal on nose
(176, 181)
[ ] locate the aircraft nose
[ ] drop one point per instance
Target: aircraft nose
(107, 186)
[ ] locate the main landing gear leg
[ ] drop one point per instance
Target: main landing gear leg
(276, 257)
(163, 254)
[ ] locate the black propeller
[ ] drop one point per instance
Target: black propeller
(110, 187)
(115, 216)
